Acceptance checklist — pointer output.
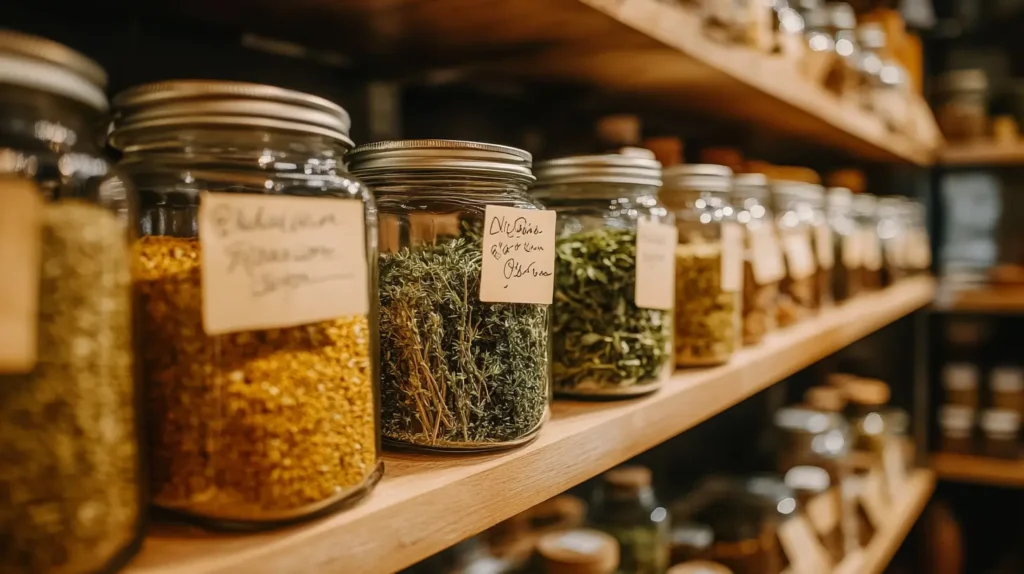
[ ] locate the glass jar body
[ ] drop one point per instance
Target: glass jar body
(872, 256)
(251, 427)
(709, 277)
(847, 265)
(79, 392)
(893, 236)
(606, 344)
(763, 268)
(458, 373)
(640, 526)
(800, 290)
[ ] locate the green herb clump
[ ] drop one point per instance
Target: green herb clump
(457, 372)
(604, 343)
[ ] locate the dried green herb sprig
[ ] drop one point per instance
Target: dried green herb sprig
(457, 372)
(707, 316)
(603, 343)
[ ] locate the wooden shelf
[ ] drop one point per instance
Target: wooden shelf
(648, 49)
(874, 558)
(978, 469)
(985, 299)
(982, 154)
(426, 503)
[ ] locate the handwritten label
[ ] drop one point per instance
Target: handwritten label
(799, 255)
(519, 256)
(655, 264)
(853, 254)
(272, 261)
(732, 257)
(766, 259)
(21, 208)
(824, 246)
(871, 249)
(803, 548)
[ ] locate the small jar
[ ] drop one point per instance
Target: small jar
(709, 264)
(800, 297)
(871, 38)
(866, 404)
(822, 241)
(626, 508)
(892, 234)
(1001, 432)
(844, 77)
(71, 486)
(459, 372)
(962, 112)
(956, 426)
(960, 381)
(919, 247)
(690, 541)
(578, 551)
(614, 269)
(763, 264)
(865, 214)
(263, 410)
(1007, 384)
(846, 272)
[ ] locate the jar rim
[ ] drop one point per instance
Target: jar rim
(40, 64)
(440, 155)
(48, 51)
(601, 168)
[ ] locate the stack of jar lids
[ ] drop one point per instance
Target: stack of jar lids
(41, 64)
(209, 103)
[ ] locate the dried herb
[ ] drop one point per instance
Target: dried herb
(259, 425)
(707, 317)
(760, 306)
(69, 482)
(604, 343)
(457, 372)
(797, 300)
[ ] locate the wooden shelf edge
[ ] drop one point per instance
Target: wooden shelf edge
(978, 469)
(982, 154)
(426, 503)
(875, 557)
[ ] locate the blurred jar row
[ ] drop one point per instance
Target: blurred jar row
(982, 419)
(234, 283)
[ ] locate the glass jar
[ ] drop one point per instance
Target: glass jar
(960, 380)
(919, 247)
(263, 410)
(709, 264)
(892, 234)
(625, 506)
(763, 267)
(847, 267)
(871, 38)
(1007, 385)
(799, 297)
(844, 77)
(962, 112)
(822, 242)
(1000, 429)
(690, 541)
(70, 486)
(956, 427)
(614, 273)
(865, 213)
(461, 370)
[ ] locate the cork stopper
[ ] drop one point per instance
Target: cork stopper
(867, 392)
(667, 150)
(631, 478)
(579, 551)
(698, 567)
(827, 399)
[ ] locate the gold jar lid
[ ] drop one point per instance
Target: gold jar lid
(631, 478)
(579, 551)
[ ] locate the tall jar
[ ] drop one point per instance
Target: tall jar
(465, 360)
(846, 271)
(763, 264)
(822, 242)
(919, 247)
(625, 507)
(614, 275)
(709, 264)
(257, 290)
(865, 213)
(799, 295)
(71, 497)
(892, 234)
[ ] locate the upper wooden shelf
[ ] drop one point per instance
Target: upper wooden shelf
(982, 154)
(978, 469)
(650, 49)
(1006, 299)
(426, 503)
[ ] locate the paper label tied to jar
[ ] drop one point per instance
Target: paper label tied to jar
(21, 208)
(519, 256)
(853, 253)
(655, 264)
(766, 259)
(799, 254)
(732, 257)
(273, 261)
(824, 246)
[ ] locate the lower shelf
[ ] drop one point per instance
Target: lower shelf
(978, 469)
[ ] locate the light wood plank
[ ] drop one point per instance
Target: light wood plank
(983, 154)
(978, 469)
(426, 503)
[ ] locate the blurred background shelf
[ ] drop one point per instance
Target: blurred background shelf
(983, 154)
(978, 469)
(427, 503)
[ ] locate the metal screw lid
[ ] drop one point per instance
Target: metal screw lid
(610, 168)
(385, 157)
(211, 102)
(44, 65)
(699, 176)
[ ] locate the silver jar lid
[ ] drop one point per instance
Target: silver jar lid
(386, 157)
(41, 64)
(231, 104)
(699, 176)
(841, 15)
(610, 168)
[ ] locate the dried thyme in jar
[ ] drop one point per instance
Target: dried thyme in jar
(614, 273)
(70, 481)
(709, 264)
(460, 370)
(763, 267)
